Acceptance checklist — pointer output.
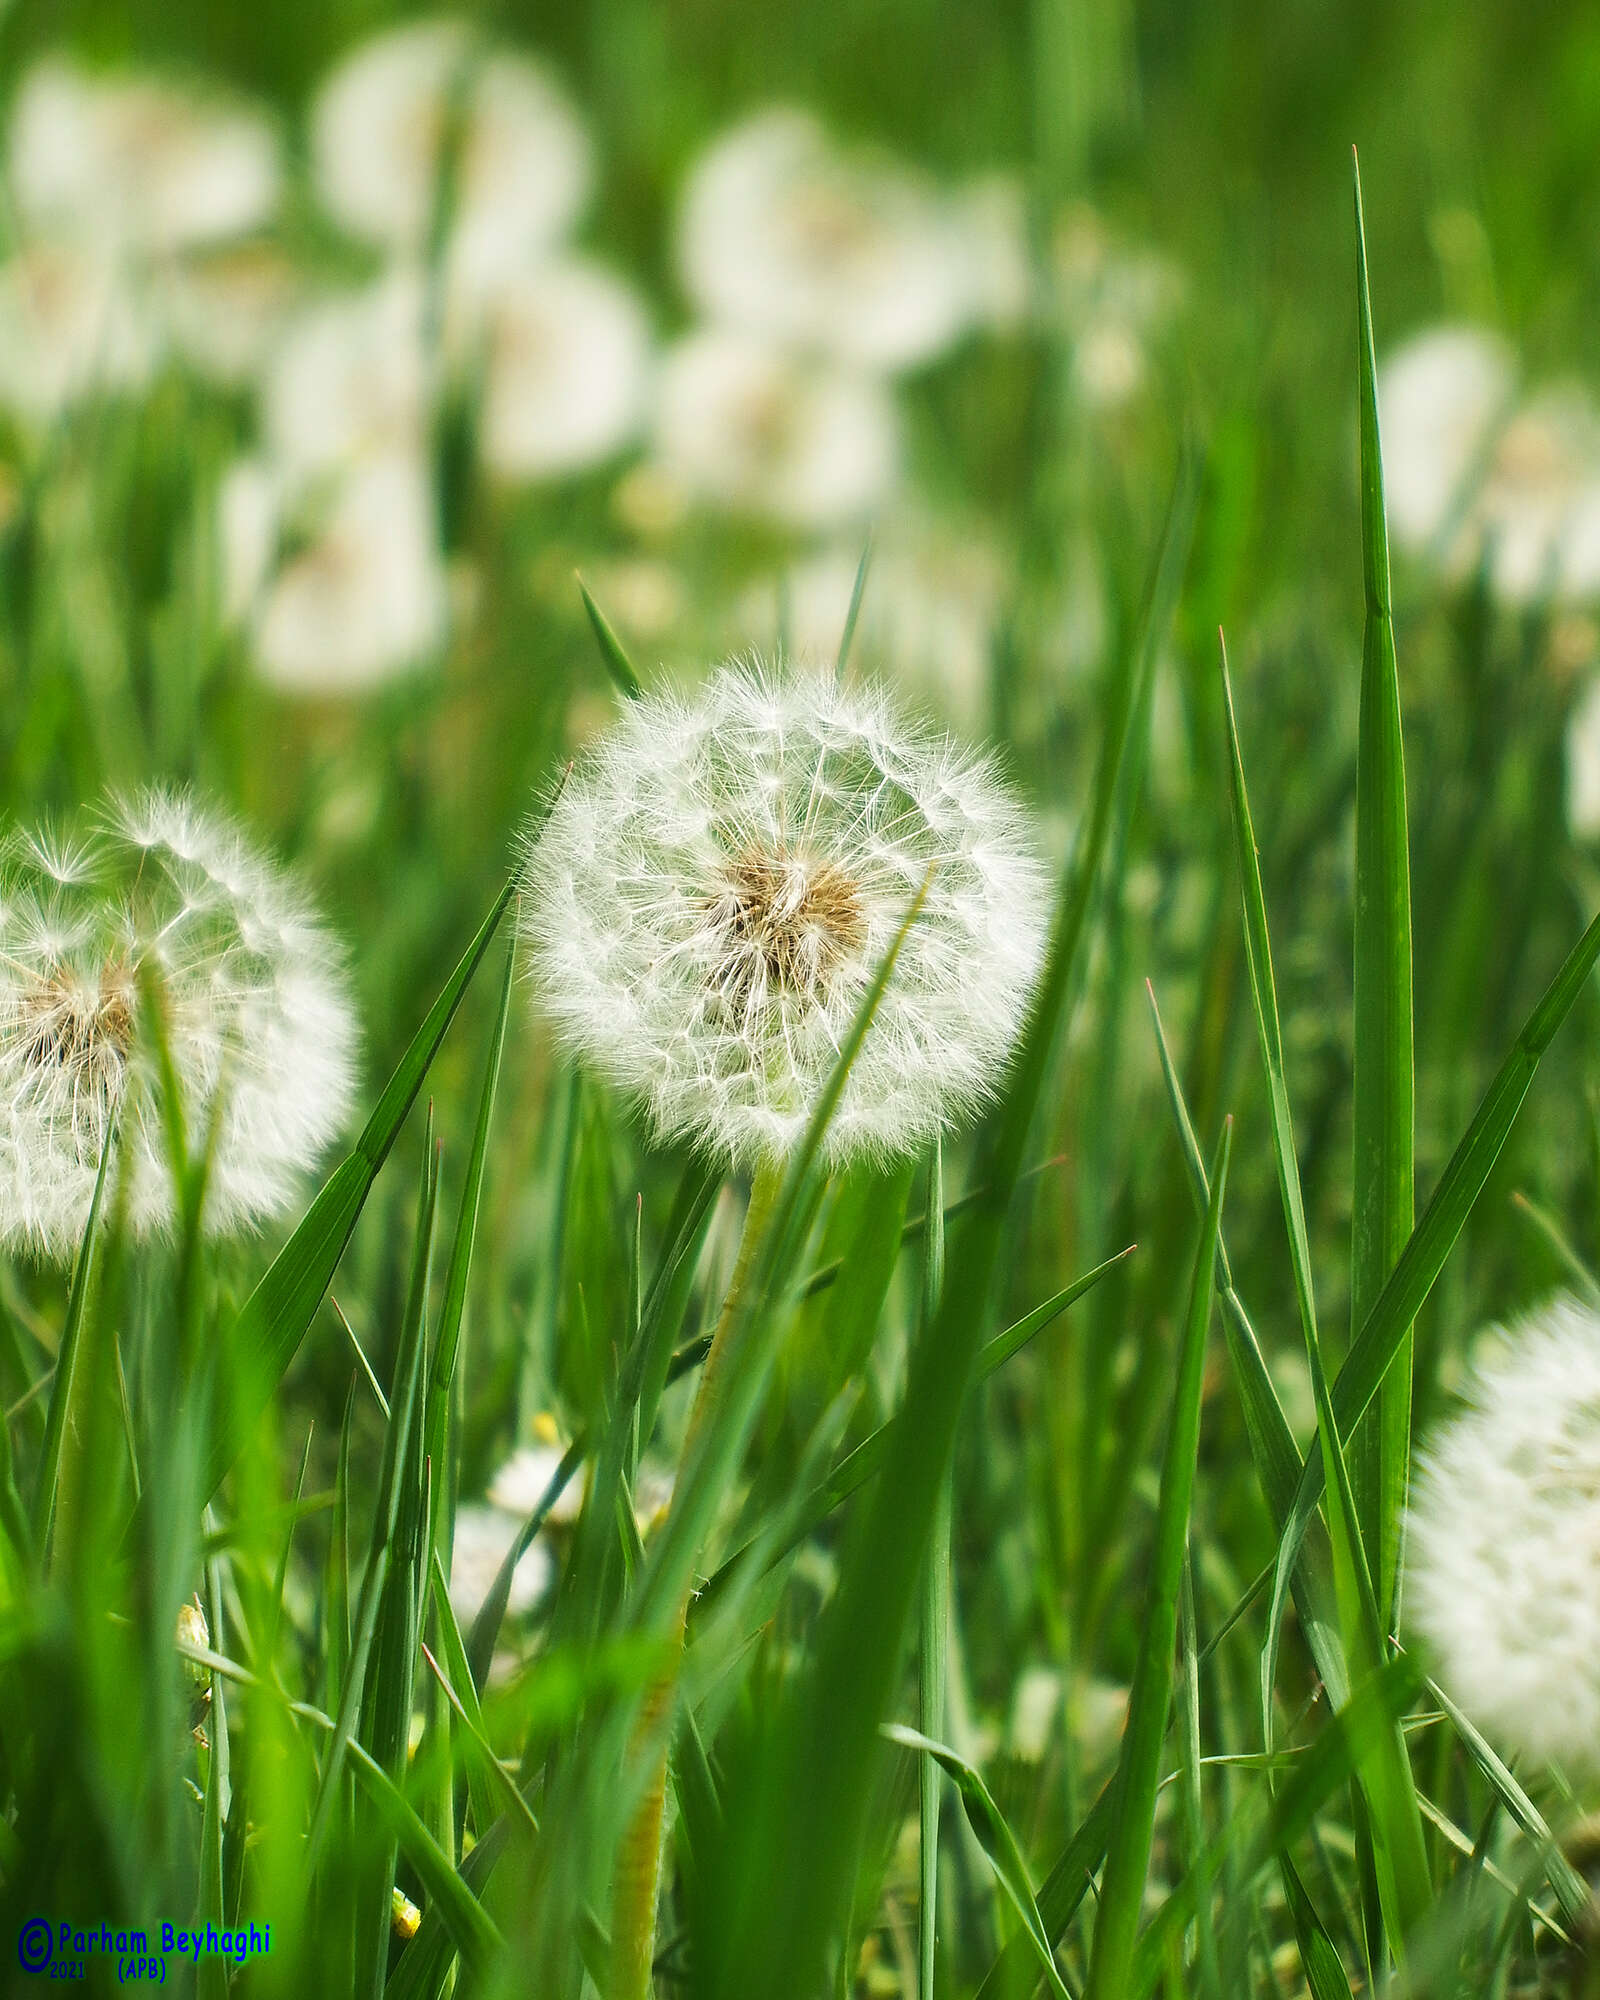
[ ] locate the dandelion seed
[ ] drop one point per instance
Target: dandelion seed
(378, 134)
(138, 161)
(714, 893)
(853, 257)
(1504, 1533)
(257, 1021)
(750, 427)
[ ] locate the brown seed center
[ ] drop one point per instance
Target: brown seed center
(784, 924)
(80, 1025)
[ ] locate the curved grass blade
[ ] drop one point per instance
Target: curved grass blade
(996, 1839)
(273, 1321)
(63, 1402)
(1383, 1090)
(1138, 1775)
(1063, 1889)
(934, 1642)
(617, 663)
(847, 636)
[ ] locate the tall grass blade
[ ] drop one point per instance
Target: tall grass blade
(1383, 1086)
(612, 651)
(1138, 1777)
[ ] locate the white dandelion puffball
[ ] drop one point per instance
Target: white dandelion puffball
(70, 327)
(562, 351)
(1583, 764)
(226, 310)
(160, 894)
(483, 1540)
(139, 160)
(854, 257)
(1504, 1541)
(360, 596)
(350, 377)
(1442, 395)
(717, 886)
(524, 1479)
(750, 427)
(379, 130)
(1535, 510)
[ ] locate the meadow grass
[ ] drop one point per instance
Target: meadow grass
(1028, 1610)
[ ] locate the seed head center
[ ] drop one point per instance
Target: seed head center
(784, 923)
(81, 1026)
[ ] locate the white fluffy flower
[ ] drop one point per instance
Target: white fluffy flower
(749, 426)
(562, 349)
(1537, 510)
(1442, 395)
(138, 160)
(257, 1020)
(227, 309)
(70, 325)
(928, 618)
(356, 593)
(716, 888)
(522, 1482)
(1504, 1556)
(350, 377)
(858, 258)
(379, 128)
(483, 1541)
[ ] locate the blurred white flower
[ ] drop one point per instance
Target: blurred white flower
(1110, 300)
(992, 217)
(350, 377)
(1583, 764)
(562, 351)
(257, 1020)
(751, 427)
(852, 256)
(1504, 1541)
(483, 1540)
(226, 310)
(522, 1482)
(138, 160)
(1442, 395)
(719, 882)
(1476, 475)
(70, 325)
(1035, 1705)
(928, 615)
(379, 130)
(342, 584)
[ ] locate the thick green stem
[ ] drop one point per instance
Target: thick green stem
(637, 1883)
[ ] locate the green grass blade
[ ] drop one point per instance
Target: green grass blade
(996, 1839)
(1383, 1181)
(66, 1391)
(933, 1640)
(1060, 1895)
(453, 1304)
(1452, 1201)
(617, 663)
(273, 1320)
(1386, 1775)
(858, 589)
(1122, 1885)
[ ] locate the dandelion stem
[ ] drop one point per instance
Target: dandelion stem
(638, 1874)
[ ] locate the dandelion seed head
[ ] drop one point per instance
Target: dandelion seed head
(1504, 1541)
(785, 235)
(166, 895)
(379, 128)
(483, 1540)
(71, 324)
(717, 887)
(749, 426)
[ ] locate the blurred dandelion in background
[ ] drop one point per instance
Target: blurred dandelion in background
(1504, 1540)
(160, 894)
(717, 886)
